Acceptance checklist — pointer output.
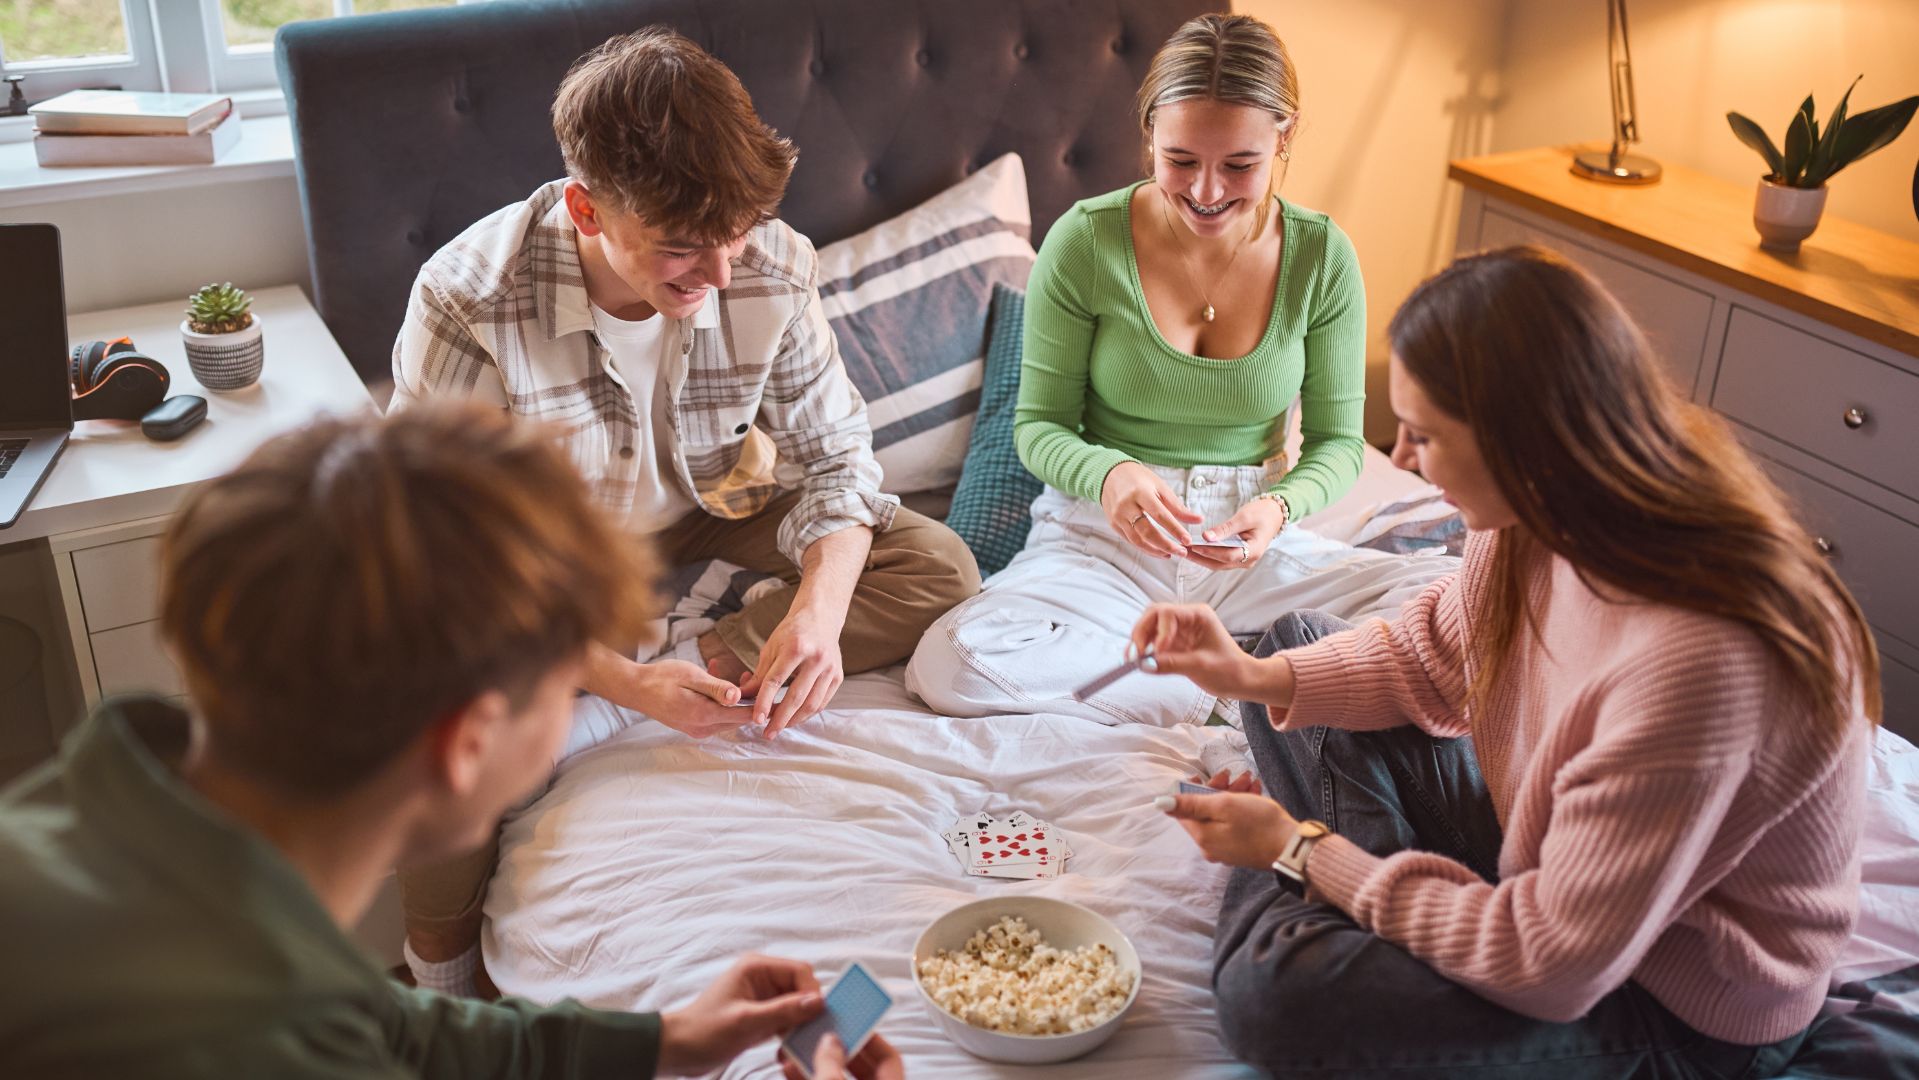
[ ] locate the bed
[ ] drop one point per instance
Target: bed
(651, 861)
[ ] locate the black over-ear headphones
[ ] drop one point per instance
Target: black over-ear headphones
(114, 381)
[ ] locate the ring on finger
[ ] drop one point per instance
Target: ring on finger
(1137, 518)
(1244, 554)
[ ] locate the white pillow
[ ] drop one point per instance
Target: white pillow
(908, 300)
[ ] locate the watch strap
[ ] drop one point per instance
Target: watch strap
(1299, 848)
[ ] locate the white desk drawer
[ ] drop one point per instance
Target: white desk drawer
(1871, 549)
(1674, 316)
(119, 583)
(130, 658)
(1800, 389)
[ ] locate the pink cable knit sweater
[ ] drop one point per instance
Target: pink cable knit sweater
(1669, 817)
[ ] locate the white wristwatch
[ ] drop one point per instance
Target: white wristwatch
(1292, 857)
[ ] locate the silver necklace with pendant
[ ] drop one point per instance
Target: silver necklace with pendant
(1206, 313)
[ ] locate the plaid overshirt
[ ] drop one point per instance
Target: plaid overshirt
(758, 400)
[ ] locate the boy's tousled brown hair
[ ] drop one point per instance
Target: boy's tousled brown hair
(354, 582)
(653, 125)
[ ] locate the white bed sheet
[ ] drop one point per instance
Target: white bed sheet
(653, 861)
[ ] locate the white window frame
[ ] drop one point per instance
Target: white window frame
(173, 45)
(248, 67)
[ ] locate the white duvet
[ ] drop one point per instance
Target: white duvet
(653, 860)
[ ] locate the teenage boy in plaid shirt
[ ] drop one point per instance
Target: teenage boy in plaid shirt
(651, 304)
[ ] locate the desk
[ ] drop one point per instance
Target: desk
(93, 531)
(1813, 357)
(111, 474)
(104, 506)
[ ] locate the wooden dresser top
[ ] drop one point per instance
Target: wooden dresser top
(1846, 274)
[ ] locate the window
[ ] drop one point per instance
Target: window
(241, 31)
(182, 45)
(61, 45)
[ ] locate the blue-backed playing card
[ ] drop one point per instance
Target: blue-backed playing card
(854, 1005)
(1195, 789)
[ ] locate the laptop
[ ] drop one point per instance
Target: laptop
(36, 399)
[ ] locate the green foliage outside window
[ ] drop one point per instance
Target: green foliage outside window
(66, 29)
(55, 29)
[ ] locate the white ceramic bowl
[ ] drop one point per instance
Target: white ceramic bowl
(1064, 926)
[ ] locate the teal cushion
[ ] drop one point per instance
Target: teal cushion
(992, 506)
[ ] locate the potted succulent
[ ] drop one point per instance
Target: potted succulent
(1792, 194)
(223, 338)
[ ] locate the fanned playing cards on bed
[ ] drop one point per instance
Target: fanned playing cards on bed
(1017, 846)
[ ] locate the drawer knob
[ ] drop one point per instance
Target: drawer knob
(1855, 418)
(1826, 547)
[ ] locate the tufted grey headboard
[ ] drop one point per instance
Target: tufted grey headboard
(410, 126)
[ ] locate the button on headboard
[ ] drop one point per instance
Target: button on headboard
(411, 126)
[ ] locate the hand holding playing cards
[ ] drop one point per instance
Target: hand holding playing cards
(1256, 523)
(1234, 829)
(758, 998)
(877, 1060)
(1144, 511)
(680, 695)
(803, 655)
(1189, 640)
(1225, 780)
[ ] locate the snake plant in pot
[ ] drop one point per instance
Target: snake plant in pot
(1792, 194)
(225, 348)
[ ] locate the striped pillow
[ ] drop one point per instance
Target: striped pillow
(908, 301)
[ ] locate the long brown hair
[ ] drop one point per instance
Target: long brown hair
(1607, 465)
(1234, 59)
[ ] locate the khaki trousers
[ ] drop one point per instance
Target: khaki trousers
(916, 571)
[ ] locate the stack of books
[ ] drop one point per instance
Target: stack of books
(122, 127)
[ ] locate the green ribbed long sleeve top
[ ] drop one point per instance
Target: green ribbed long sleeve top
(1100, 386)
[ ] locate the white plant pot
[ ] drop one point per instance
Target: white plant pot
(225, 361)
(1785, 216)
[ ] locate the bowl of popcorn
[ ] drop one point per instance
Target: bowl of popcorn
(1026, 979)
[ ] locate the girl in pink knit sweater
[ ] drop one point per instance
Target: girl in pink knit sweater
(1590, 806)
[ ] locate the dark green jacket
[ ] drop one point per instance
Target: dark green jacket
(148, 935)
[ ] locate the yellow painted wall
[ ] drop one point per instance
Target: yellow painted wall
(1393, 89)
(1390, 90)
(1695, 59)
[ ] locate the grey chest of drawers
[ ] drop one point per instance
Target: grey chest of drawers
(1813, 357)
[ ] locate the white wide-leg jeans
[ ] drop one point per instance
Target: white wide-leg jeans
(1060, 614)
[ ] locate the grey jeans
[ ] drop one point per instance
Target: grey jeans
(1304, 991)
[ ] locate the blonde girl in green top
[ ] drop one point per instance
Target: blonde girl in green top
(1170, 327)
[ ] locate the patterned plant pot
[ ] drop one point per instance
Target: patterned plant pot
(1785, 216)
(225, 361)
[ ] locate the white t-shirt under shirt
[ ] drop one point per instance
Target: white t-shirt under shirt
(640, 350)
